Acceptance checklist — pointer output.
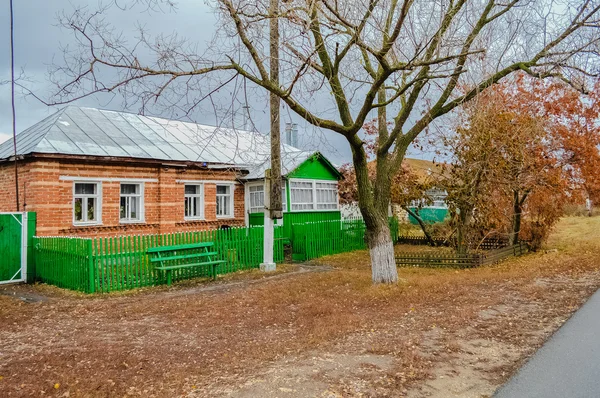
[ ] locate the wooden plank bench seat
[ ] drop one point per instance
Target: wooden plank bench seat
(169, 258)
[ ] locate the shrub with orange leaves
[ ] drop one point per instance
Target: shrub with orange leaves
(523, 148)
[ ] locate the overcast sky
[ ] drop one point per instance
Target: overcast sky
(37, 45)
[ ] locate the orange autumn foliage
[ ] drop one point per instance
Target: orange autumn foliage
(523, 148)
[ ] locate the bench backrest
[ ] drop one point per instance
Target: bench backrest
(187, 246)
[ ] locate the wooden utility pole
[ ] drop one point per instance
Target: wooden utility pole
(12, 100)
(273, 207)
(276, 208)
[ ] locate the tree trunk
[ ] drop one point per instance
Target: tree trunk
(461, 231)
(423, 226)
(517, 217)
(373, 201)
(381, 250)
(381, 247)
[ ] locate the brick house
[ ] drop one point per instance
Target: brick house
(91, 172)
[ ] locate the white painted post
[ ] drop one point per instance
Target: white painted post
(24, 246)
(588, 206)
(268, 264)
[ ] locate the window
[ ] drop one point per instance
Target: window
(435, 198)
(86, 203)
(224, 201)
(416, 202)
(301, 195)
(283, 198)
(131, 203)
(313, 195)
(327, 195)
(439, 200)
(439, 203)
(194, 202)
(256, 196)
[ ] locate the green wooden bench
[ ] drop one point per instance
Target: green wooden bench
(168, 258)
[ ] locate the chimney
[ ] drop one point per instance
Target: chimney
(291, 135)
(246, 116)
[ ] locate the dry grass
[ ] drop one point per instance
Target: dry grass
(169, 342)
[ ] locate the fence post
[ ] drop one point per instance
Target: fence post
(90, 258)
(521, 248)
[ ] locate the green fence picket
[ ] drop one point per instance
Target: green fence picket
(64, 262)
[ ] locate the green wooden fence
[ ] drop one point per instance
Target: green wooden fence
(64, 262)
(312, 240)
(291, 218)
(11, 246)
(121, 263)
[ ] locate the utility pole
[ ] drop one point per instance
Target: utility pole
(12, 100)
(273, 207)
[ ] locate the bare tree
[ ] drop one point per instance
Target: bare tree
(409, 62)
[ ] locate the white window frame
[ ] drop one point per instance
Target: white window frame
(310, 189)
(231, 200)
(314, 195)
(250, 207)
(283, 196)
(97, 196)
(142, 213)
(261, 184)
(199, 195)
(335, 190)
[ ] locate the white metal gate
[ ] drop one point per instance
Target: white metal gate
(13, 247)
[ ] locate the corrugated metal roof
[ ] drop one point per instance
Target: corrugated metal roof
(289, 162)
(94, 132)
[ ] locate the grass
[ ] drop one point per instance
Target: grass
(575, 234)
(174, 341)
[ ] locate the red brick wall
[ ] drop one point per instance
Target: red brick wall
(47, 189)
(7, 186)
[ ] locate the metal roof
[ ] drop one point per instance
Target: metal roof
(289, 162)
(95, 132)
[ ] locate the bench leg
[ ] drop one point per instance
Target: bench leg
(214, 272)
(168, 277)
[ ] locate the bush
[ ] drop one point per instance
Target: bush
(441, 229)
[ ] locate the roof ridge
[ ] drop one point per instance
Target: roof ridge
(165, 119)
